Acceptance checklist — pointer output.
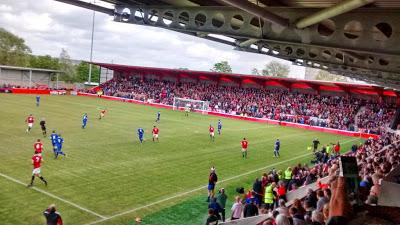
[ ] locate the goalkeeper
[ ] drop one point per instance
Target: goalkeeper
(187, 109)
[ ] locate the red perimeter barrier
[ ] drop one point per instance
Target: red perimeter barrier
(30, 91)
(259, 120)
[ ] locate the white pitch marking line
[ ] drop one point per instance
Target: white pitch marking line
(54, 196)
(203, 187)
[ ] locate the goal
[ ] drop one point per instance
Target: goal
(182, 103)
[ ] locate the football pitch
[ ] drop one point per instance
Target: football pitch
(108, 177)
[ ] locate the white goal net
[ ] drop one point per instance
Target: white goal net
(190, 104)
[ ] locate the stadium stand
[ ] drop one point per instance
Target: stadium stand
(378, 162)
(339, 112)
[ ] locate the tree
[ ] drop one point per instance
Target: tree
(183, 68)
(326, 76)
(13, 50)
(276, 69)
(255, 71)
(222, 67)
(44, 62)
(82, 72)
(66, 66)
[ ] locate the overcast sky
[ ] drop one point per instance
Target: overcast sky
(47, 26)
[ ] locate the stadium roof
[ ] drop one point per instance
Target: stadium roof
(354, 38)
(289, 83)
(28, 69)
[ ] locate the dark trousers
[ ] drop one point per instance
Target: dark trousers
(223, 214)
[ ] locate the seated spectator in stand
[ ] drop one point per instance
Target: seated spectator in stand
(282, 209)
(297, 218)
(322, 200)
(282, 220)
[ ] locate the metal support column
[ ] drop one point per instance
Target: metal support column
(30, 78)
(56, 80)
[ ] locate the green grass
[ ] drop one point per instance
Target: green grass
(109, 172)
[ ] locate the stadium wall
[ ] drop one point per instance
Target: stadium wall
(259, 120)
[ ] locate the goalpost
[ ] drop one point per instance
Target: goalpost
(182, 103)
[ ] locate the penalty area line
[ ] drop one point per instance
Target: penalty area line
(53, 196)
(204, 187)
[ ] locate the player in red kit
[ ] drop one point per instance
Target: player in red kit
(244, 143)
(155, 133)
(29, 120)
(211, 130)
(38, 146)
(36, 162)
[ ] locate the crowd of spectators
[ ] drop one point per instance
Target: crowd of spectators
(374, 119)
(375, 159)
(338, 112)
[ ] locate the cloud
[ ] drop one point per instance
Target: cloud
(47, 26)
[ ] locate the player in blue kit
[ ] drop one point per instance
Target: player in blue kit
(60, 142)
(158, 116)
(219, 127)
(140, 133)
(53, 138)
(277, 147)
(84, 121)
(37, 100)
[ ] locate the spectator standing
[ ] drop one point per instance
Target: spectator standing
(250, 209)
(212, 181)
(287, 176)
(221, 201)
(315, 144)
(216, 207)
(269, 195)
(212, 218)
(52, 216)
(237, 209)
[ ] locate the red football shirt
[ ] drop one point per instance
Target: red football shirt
(103, 111)
(36, 160)
(38, 146)
(337, 148)
(155, 130)
(244, 144)
(211, 129)
(30, 119)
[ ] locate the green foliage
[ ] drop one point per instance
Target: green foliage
(82, 72)
(222, 67)
(326, 76)
(108, 171)
(13, 50)
(255, 71)
(44, 62)
(66, 66)
(276, 69)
